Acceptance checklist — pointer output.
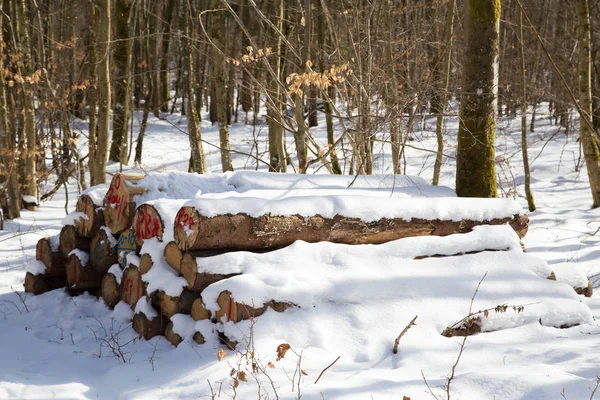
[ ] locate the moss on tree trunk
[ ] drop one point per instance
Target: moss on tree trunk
(475, 172)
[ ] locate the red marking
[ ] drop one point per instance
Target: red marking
(229, 309)
(117, 180)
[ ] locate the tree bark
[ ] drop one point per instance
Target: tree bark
(475, 171)
(589, 145)
(277, 156)
(104, 91)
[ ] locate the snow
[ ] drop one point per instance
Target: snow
(109, 235)
(183, 325)
(143, 306)
(96, 194)
(83, 256)
(446, 208)
(167, 209)
(352, 301)
(117, 271)
(161, 276)
(29, 199)
(73, 217)
(35, 267)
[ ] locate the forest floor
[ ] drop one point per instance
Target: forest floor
(55, 346)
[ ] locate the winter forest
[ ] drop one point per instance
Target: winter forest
(300, 199)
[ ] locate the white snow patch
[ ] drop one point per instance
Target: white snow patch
(97, 193)
(161, 276)
(143, 306)
(117, 271)
(183, 325)
(83, 256)
(123, 311)
(35, 267)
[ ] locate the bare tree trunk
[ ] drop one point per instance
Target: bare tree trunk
(444, 67)
(475, 170)
(93, 92)
(528, 194)
(28, 102)
(220, 85)
(277, 161)
(590, 148)
(10, 191)
(165, 93)
(197, 153)
(104, 92)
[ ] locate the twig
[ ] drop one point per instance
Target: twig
(397, 341)
(595, 388)
(326, 368)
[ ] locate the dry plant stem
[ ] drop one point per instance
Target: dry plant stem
(595, 388)
(397, 341)
(326, 368)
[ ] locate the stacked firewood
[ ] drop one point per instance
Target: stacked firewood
(131, 244)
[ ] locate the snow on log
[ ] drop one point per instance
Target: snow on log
(146, 321)
(239, 224)
(171, 305)
(574, 276)
(111, 286)
(236, 312)
(198, 281)
(199, 311)
(118, 202)
(70, 239)
(47, 251)
(103, 250)
(126, 245)
(181, 327)
(92, 215)
(132, 287)
(81, 275)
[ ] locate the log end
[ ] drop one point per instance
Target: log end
(111, 292)
(149, 328)
(171, 336)
(186, 227)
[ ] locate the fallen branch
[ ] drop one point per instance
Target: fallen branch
(326, 368)
(397, 341)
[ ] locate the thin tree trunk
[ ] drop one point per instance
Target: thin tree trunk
(165, 86)
(444, 68)
(277, 159)
(528, 194)
(93, 93)
(104, 92)
(590, 148)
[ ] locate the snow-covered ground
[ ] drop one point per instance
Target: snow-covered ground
(352, 301)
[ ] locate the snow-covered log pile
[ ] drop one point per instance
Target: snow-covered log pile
(184, 251)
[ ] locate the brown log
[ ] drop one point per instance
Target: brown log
(132, 287)
(145, 263)
(198, 281)
(586, 291)
(38, 284)
(147, 223)
(243, 232)
(237, 312)
(103, 251)
(71, 240)
(126, 244)
(173, 255)
(87, 227)
(53, 260)
(171, 336)
(111, 290)
(198, 338)
(171, 305)
(118, 202)
(148, 328)
(81, 276)
(199, 311)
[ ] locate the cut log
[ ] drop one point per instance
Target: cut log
(149, 327)
(126, 244)
(147, 223)
(145, 263)
(171, 305)
(111, 290)
(132, 287)
(80, 275)
(586, 291)
(103, 251)
(198, 338)
(52, 259)
(94, 217)
(198, 281)
(38, 284)
(173, 256)
(171, 336)
(244, 232)
(237, 312)
(118, 202)
(70, 240)
(199, 311)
